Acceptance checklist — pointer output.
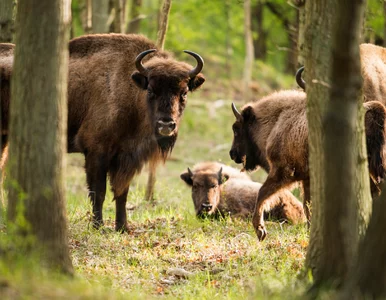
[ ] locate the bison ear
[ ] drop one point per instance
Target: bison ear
(187, 177)
(222, 177)
(247, 114)
(196, 82)
(140, 80)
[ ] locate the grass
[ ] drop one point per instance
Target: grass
(169, 254)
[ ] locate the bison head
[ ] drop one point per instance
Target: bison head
(244, 146)
(167, 83)
(205, 190)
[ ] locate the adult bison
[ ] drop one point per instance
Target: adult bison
(273, 133)
(125, 102)
(220, 190)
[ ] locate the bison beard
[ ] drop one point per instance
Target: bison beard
(125, 102)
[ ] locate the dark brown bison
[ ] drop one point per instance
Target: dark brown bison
(125, 101)
(6, 63)
(219, 190)
(273, 133)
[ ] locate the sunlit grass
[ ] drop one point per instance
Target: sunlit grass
(223, 259)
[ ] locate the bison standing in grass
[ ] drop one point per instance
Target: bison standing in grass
(219, 190)
(125, 102)
(273, 133)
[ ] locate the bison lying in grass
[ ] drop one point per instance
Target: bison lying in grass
(273, 133)
(219, 190)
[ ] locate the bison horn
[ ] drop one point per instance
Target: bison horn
(200, 64)
(190, 172)
(138, 61)
(238, 116)
(299, 79)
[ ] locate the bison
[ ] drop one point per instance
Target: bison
(125, 102)
(272, 133)
(219, 190)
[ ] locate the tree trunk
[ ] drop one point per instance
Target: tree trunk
(6, 21)
(88, 16)
(135, 17)
(301, 15)
(248, 63)
(100, 16)
(39, 91)
(318, 65)
(163, 23)
(259, 43)
(339, 227)
(368, 275)
(119, 19)
(384, 23)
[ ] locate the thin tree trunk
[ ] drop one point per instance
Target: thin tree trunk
(340, 238)
(119, 19)
(39, 90)
(228, 37)
(6, 21)
(88, 13)
(301, 26)
(135, 17)
(248, 62)
(260, 43)
(163, 23)
(384, 23)
(100, 16)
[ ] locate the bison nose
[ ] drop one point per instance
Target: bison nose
(206, 207)
(232, 154)
(166, 127)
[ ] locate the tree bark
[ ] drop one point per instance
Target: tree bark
(318, 65)
(135, 17)
(260, 42)
(301, 26)
(100, 16)
(6, 21)
(341, 143)
(119, 19)
(248, 62)
(163, 23)
(39, 91)
(368, 275)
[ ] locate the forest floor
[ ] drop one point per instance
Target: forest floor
(169, 253)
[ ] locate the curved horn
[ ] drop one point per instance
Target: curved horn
(200, 63)
(238, 116)
(190, 172)
(299, 79)
(138, 61)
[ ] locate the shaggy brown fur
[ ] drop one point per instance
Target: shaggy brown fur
(120, 117)
(219, 190)
(273, 133)
(6, 62)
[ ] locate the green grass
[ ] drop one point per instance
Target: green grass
(223, 258)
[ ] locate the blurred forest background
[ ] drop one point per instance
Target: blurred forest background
(215, 28)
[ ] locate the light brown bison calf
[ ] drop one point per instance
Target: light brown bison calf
(219, 190)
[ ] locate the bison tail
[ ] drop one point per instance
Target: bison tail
(375, 118)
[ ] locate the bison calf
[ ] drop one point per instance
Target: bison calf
(219, 190)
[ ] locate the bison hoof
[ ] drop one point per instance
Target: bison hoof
(261, 232)
(122, 228)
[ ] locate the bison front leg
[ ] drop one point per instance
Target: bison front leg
(120, 211)
(96, 173)
(274, 182)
